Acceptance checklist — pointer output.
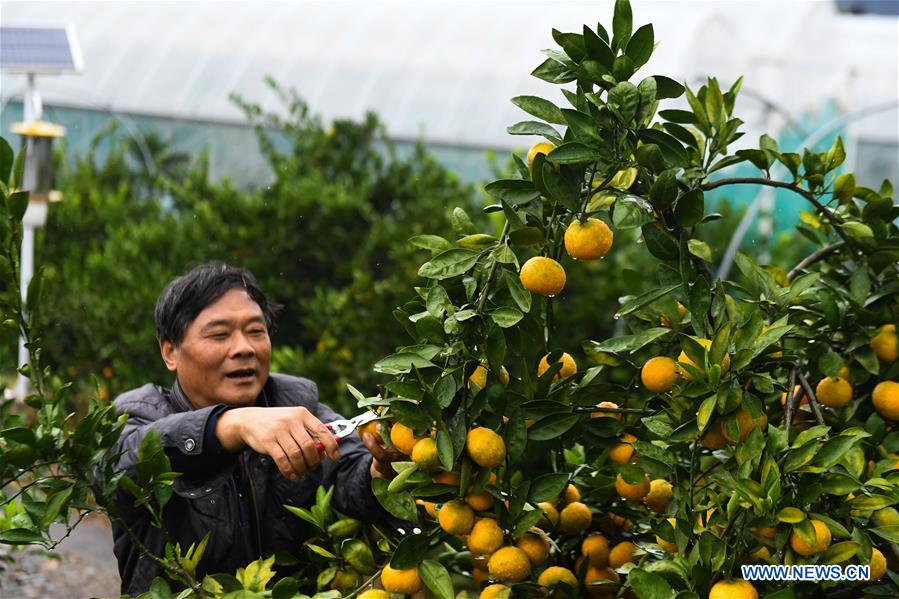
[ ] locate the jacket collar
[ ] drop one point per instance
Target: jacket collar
(180, 403)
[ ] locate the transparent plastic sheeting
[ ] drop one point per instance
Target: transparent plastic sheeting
(444, 70)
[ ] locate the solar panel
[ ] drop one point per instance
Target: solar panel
(44, 50)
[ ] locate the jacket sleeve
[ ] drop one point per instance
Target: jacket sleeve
(182, 435)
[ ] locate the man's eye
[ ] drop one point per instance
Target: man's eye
(257, 332)
(219, 336)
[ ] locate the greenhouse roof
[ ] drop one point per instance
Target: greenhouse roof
(443, 70)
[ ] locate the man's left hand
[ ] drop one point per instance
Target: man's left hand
(382, 457)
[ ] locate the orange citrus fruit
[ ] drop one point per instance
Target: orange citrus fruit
(733, 589)
(659, 374)
(633, 492)
(833, 393)
(406, 581)
(455, 517)
(886, 343)
(589, 240)
(485, 447)
(822, 540)
(543, 276)
(596, 548)
(885, 398)
(509, 564)
(569, 366)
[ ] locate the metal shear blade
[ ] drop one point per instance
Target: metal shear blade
(343, 428)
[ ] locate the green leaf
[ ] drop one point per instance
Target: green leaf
(705, 411)
(631, 212)
(640, 46)
(526, 522)
(400, 505)
(699, 111)
(672, 150)
(18, 204)
(535, 128)
(836, 155)
(832, 450)
(667, 87)
(55, 504)
(461, 222)
(844, 187)
(581, 125)
(572, 44)
(659, 242)
(526, 236)
(598, 49)
(6, 161)
(552, 427)
(563, 185)
(18, 171)
(690, 208)
(444, 390)
(663, 192)
(714, 104)
(791, 515)
(304, 514)
(889, 532)
(700, 249)
(478, 241)
(20, 536)
(857, 229)
(520, 295)
(839, 552)
(622, 24)
(573, 153)
(401, 363)
(506, 317)
(514, 191)
(552, 71)
(631, 343)
(410, 551)
(648, 585)
(430, 242)
(871, 503)
(435, 576)
(646, 298)
(625, 98)
(540, 108)
(445, 450)
(684, 117)
(547, 487)
(448, 264)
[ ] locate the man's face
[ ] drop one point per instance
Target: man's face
(225, 355)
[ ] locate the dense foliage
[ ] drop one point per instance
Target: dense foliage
(725, 423)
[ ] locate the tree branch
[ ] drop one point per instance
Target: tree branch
(815, 257)
(812, 400)
(834, 219)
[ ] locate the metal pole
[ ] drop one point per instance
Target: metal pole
(27, 270)
(32, 109)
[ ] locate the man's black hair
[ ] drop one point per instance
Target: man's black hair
(185, 297)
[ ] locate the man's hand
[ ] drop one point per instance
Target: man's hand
(382, 457)
(287, 435)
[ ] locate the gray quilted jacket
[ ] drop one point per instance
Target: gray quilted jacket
(240, 499)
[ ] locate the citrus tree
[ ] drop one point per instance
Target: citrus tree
(754, 421)
(745, 421)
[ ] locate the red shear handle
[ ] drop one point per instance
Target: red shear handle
(319, 445)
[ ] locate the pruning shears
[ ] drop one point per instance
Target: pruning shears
(341, 429)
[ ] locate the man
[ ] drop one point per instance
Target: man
(244, 439)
